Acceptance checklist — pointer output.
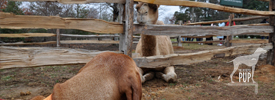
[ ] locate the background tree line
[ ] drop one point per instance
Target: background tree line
(196, 14)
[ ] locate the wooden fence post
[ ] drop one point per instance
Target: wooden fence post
(57, 38)
(122, 35)
(271, 53)
(229, 38)
(179, 37)
(128, 27)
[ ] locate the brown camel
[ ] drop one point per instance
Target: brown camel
(150, 45)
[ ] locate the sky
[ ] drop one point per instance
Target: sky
(167, 11)
(163, 10)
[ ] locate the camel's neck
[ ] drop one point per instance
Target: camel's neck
(149, 43)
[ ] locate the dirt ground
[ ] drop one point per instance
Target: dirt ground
(206, 80)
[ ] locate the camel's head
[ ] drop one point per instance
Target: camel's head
(147, 13)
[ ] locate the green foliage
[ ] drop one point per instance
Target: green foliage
(181, 16)
(13, 7)
(256, 5)
(38, 31)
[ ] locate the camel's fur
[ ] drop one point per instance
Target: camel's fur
(108, 76)
(150, 45)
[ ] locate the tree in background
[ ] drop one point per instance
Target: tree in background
(13, 7)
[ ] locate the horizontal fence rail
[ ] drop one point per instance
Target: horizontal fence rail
(11, 21)
(226, 20)
(79, 1)
(199, 30)
(201, 56)
(13, 57)
(11, 35)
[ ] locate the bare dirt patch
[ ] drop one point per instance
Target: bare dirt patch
(196, 81)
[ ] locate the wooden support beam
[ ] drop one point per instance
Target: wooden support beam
(33, 43)
(57, 38)
(11, 21)
(78, 1)
(12, 35)
(89, 41)
(207, 36)
(13, 57)
(271, 54)
(128, 27)
(226, 20)
(179, 37)
(201, 41)
(89, 36)
(199, 30)
(191, 58)
(122, 35)
(249, 41)
(229, 37)
(209, 5)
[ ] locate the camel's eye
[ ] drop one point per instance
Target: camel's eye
(146, 12)
(145, 4)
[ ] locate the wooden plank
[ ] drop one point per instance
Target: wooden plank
(207, 36)
(179, 37)
(128, 27)
(191, 58)
(229, 37)
(226, 20)
(93, 36)
(88, 41)
(12, 57)
(209, 5)
(271, 54)
(199, 30)
(33, 43)
(11, 21)
(12, 35)
(57, 38)
(201, 41)
(78, 1)
(90, 36)
(122, 35)
(249, 41)
(261, 34)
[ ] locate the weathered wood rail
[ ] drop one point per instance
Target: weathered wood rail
(15, 57)
(10, 35)
(201, 56)
(226, 20)
(199, 30)
(12, 57)
(11, 21)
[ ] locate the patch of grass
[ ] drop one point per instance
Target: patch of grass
(197, 84)
(172, 84)
(201, 93)
(174, 40)
(163, 99)
(6, 78)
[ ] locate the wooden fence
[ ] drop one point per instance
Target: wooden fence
(126, 28)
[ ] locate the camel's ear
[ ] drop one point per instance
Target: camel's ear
(154, 7)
